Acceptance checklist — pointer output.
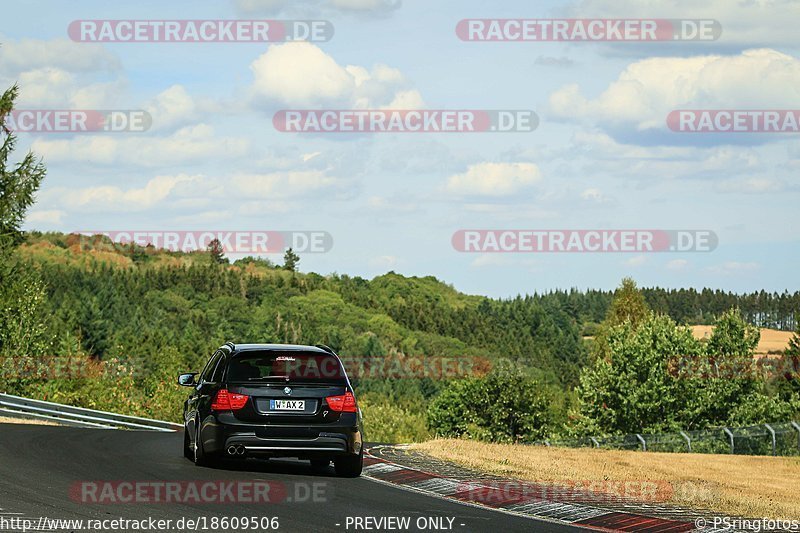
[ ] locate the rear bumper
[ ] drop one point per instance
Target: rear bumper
(222, 430)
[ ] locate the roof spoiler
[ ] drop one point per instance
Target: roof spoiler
(326, 348)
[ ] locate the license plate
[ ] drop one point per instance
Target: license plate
(287, 405)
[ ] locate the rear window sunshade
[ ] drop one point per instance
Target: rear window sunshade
(266, 366)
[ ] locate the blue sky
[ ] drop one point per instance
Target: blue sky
(601, 157)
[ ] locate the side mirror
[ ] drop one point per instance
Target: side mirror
(187, 380)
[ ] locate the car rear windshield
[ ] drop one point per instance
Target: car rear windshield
(275, 366)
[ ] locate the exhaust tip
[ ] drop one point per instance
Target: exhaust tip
(236, 449)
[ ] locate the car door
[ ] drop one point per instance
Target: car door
(200, 394)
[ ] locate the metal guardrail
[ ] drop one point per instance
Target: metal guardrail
(780, 438)
(79, 416)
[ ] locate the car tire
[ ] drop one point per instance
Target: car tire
(201, 458)
(349, 465)
(187, 449)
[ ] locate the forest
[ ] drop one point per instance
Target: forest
(114, 324)
(93, 323)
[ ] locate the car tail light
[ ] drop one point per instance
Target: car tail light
(345, 403)
(227, 401)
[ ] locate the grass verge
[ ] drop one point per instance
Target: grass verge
(737, 485)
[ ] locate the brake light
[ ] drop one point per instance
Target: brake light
(345, 403)
(226, 401)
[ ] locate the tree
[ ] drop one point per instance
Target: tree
(290, 260)
(658, 377)
(22, 321)
(18, 185)
(628, 305)
(217, 252)
(498, 407)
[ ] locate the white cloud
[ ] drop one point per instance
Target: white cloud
(110, 198)
(677, 264)
(397, 204)
(317, 7)
(192, 144)
(602, 153)
(60, 73)
(410, 99)
(500, 260)
(54, 87)
(758, 185)
(593, 195)
(383, 262)
(26, 55)
(548, 61)
(255, 194)
(290, 184)
(494, 179)
(745, 23)
(647, 90)
(261, 6)
(172, 107)
(636, 261)
(374, 6)
(733, 268)
(48, 216)
(302, 75)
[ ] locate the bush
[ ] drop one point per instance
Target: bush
(392, 423)
(497, 408)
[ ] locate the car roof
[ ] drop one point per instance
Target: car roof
(239, 348)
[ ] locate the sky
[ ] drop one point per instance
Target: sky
(601, 158)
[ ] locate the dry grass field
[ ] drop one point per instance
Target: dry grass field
(731, 484)
(6, 420)
(771, 340)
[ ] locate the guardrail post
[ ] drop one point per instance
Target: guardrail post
(730, 434)
(796, 426)
(688, 441)
(596, 444)
(644, 442)
(771, 432)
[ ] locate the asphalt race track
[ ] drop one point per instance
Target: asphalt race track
(41, 465)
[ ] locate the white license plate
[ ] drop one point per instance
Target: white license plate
(287, 405)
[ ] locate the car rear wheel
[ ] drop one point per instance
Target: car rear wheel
(187, 449)
(349, 465)
(201, 458)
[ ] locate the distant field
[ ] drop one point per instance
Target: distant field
(771, 340)
(732, 484)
